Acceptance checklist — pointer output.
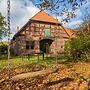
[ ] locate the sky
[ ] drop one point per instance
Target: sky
(23, 10)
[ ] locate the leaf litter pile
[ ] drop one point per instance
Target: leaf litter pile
(72, 76)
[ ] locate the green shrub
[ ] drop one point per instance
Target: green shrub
(76, 48)
(4, 50)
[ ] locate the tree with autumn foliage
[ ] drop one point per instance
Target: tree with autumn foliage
(79, 47)
(62, 8)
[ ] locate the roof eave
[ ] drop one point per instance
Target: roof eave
(46, 22)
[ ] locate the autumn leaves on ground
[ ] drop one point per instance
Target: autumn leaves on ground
(69, 76)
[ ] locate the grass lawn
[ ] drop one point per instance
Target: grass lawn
(17, 61)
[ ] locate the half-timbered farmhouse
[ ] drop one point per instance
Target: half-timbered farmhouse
(41, 33)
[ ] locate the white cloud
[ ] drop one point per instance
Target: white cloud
(73, 24)
(3, 7)
(20, 13)
(78, 12)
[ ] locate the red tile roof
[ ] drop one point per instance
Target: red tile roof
(43, 16)
(70, 32)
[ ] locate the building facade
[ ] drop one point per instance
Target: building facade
(42, 33)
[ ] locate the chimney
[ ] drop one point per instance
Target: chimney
(17, 28)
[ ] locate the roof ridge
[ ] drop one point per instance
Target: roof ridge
(45, 17)
(51, 16)
(35, 14)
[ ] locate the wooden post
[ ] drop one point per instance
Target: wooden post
(28, 56)
(43, 55)
(38, 57)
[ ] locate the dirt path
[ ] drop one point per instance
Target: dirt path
(33, 74)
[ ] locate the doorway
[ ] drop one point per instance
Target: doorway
(45, 45)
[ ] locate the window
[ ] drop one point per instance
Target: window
(30, 44)
(27, 46)
(47, 32)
